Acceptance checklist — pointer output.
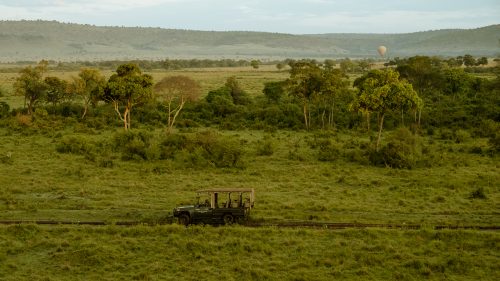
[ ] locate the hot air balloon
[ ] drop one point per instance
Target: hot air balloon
(381, 50)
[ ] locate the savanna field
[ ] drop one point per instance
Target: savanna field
(435, 163)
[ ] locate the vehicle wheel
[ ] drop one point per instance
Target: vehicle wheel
(184, 219)
(228, 219)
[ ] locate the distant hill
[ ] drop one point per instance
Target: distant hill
(35, 40)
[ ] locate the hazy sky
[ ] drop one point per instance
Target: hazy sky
(289, 16)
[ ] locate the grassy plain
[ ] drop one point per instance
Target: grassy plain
(49, 184)
(237, 253)
(37, 182)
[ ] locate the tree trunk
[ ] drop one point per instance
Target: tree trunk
(323, 119)
(402, 117)
(380, 125)
(177, 111)
(128, 117)
(305, 116)
(30, 108)
(169, 118)
(368, 121)
(332, 123)
(85, 108)
(125, 119)
(308, 117)
(419, 116)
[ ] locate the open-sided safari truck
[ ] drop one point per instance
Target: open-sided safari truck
(217, 206)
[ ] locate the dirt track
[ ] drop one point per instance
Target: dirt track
(280, 224)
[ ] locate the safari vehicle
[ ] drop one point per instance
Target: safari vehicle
(218, 206)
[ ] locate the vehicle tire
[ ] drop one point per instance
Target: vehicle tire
(184, 219)
(228, 219)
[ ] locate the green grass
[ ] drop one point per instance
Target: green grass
(38, 182)
(237, 253)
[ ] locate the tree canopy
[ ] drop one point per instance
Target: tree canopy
(382, 91)
(175, 91)
(127, 88)
(89, 86)
(30, 84)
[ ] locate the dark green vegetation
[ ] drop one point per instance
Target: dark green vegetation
(34, 40)
(437, 165)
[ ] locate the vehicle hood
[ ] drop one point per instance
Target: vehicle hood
(184, 207)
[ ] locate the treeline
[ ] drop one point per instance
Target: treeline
(424, 94)
(147, 65)
(421, 92)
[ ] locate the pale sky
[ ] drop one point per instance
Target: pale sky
(284, 16)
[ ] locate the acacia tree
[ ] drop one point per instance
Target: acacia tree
(304, 83)
(89, 85)
(56, 90)
(175, 91)
(126, 89)
(381, 91)
(255, 64)
(30, 84)
(334, 83)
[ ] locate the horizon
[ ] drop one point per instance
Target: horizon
(280, 16)
(199, 30)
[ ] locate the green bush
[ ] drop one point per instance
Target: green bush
(446, 134)
(136, 145)
(401, 151)
(494, 143)
(74, 145)
(328, 150)
(172, 144)
(6, 159)
(487, 128)
(265, 147)
(221, 152)
(478, 194)
(4, 109)
(461, 136)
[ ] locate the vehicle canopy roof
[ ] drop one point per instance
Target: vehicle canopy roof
(212, 191)
(216, 190)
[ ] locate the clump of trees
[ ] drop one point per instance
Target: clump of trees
(314, 86)
(382, 92)
(316, 96)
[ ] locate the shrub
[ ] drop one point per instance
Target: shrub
(328, 150)
(487, 128)
(221, 152)
(478, 194)
(265, 147)
(4, 109)
(402, 151)
(446, 134)
(461, 136)
(494, 143)
(476, 149)
(24, 120)
(357, 155)
(73, 145)
(136, 145)
(6, 159)
(171, 145)
(68, 109)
